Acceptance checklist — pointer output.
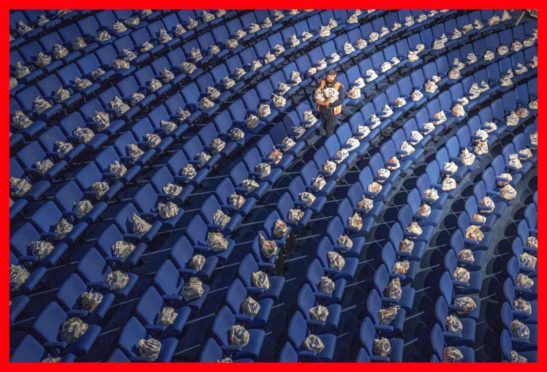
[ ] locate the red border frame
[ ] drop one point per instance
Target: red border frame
(8, 5)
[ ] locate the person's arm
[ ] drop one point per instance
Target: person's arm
(321, 103)
(340, 99)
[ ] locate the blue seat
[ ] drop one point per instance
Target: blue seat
(90, 174)
(124, 220)
(224, 320)
(524, 344)
(68, 296)
(170, 282)
(133, 331)
(298, 330)
(17, 306)
(507, 347)
(374, 305)
(296, 187)
(236, 295)
(107, 157)
(209, 207)
(181, 254)
(466, 336)
(349, 269)
(269, 224)
(197, 234)
(367, 334)
(212, 352)
(313, 276)
(46, 219)
(405, 218)
(247, 267)
(69, 195)
(164, 176)
(381, 282)
(223, 191)
(21, 245)
(177, 162)
(414, 200)
(345, 212)
(149, 309)
(146, 200)
(475, 282)
(309, 172)
(335, 229)
(389, 258)
(48, 324)
(306, 300)
(112, 234)
(94, 269)
(513, 269)
(438, 343)
(32, 153)
(31, 350)
(448, 291)
(510, 295)
(288, 354)
(118, 356)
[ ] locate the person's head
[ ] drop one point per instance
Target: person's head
(331, 76)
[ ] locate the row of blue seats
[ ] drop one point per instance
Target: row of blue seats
(209, 347)
(212, 348)
(88, 28)
(74, 122)
(91, 63)
(527, 228)
(473, 287)
(396, 233)
(332, 146)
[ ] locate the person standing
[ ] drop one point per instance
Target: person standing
(329, 112)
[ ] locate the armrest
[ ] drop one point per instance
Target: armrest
(55, 344)
(138, 359)
(155, 327)
(384, 327)
(69, 214)
(229, 208)
(172, 297)
(113, 259)
(231, 347)
(27, 258)
(78, 313)
(49, 235)
(185, 270)
(96, 284)
(313, 322)
(307, 353)
(331, 271)
(453, 334)
(255, 290)
(212, 226)
(244, 317)
(460, 284)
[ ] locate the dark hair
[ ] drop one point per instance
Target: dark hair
(331, 72)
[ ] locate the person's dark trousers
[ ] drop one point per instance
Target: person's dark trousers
(329, 124)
